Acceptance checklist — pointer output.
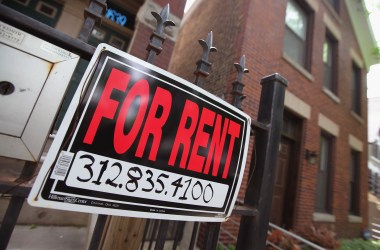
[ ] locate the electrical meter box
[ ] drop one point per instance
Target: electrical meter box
(34, 76)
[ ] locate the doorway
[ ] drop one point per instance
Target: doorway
(285, 187)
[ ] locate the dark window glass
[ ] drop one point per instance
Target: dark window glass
(23, 2)
(334, 4)
(354, 182)
(324, 174)
(329, 64)
(46, 9)
(296, 26)
(356, 89)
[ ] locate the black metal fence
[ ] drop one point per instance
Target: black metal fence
(255, 210)
(374, 183)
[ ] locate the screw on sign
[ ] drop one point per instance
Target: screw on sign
(6, 88)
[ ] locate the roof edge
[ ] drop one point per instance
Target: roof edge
(363, 31)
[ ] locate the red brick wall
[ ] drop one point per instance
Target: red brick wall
(256, 29)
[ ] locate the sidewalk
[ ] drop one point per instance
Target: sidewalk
(47, 237)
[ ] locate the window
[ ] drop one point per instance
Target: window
(98, 33)
(354, 182)
(376, 149)
(23, 2)
(46, 9)
(117, 42)
(296, 33)
(356, 89)
(329, 64)
(322, 203)
(334, 4)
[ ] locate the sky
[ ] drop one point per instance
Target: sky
(373, 77)
(188, 4)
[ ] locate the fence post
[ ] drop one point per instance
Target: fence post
(253, 230)
(154, 48)
(15, 206)
(93, 15)
(157, 38)
(203, 65)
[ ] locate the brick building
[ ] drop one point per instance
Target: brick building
(323, 48)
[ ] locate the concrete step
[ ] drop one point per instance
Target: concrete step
(47, 238)
(43, 216)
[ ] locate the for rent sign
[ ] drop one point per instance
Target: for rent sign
(139, 141)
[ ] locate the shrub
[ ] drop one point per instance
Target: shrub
(282, 240)
(323, 236)
(359, 244)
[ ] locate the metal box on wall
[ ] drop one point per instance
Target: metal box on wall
(34, 75)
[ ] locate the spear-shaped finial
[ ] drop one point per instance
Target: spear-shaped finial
(238, 85)
(203, 64)
(207, 46)
(157, 38)
(241, 69)
(163, 19)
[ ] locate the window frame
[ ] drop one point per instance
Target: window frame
(309, 13)
(356, 89)
(335, 4)
(354, 183)
(333, 78)
(41, 4)
(24, 3)
(324, 204)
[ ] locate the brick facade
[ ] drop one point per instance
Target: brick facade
(256, 29)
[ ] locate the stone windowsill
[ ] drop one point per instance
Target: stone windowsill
(333, 11)
(298, 67)
(323, 217)
(357, 117)
(355, 219)
(331, 95)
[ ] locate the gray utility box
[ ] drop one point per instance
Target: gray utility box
(34, 76)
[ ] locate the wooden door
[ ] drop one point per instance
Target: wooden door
(279, 194)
